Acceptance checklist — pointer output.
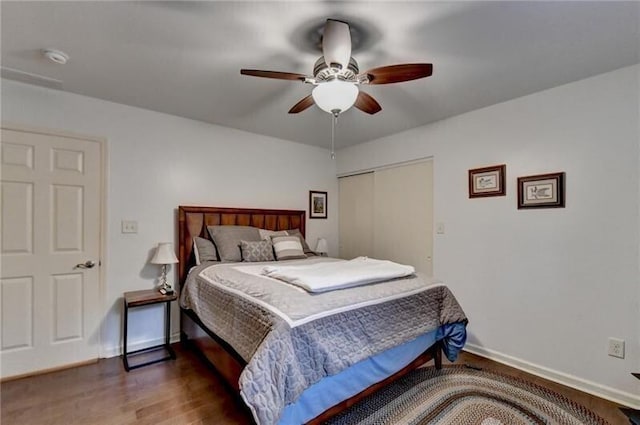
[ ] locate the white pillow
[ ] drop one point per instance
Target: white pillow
(195, 252)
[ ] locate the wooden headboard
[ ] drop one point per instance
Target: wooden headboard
(193, 221)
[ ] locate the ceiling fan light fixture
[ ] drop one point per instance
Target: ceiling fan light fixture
(336, 95)
(336, 75)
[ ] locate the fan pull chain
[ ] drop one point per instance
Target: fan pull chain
(334, 122)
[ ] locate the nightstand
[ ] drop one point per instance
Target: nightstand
(148, 297)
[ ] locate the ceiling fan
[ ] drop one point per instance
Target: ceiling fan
(336, 76)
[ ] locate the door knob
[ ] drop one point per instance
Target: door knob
(88, 265)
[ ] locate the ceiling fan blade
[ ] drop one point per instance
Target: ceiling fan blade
(336, 43)
(399, 73)
(273, 74)
(367, 104)
(302, 105)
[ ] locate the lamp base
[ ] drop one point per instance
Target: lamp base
(165, 287)
(166, 291)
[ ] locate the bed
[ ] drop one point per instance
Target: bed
(292, 362)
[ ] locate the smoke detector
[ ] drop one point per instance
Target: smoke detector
(56, 56)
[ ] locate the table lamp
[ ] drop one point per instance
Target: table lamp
(321, 247)
(164, 255)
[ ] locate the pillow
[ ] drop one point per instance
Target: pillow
(227, 240)
(305, 246)
(287, 247)
(257, 251)
(204, 250)
(266, 234)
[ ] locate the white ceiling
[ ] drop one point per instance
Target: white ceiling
(184, 58)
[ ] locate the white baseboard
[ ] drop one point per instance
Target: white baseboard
(115, 351)
(598, 390)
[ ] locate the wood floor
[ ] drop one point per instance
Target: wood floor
(183, 391)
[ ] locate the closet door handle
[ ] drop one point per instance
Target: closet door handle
(87, 265)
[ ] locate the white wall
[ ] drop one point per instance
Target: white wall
(543, 289)
(157, 162)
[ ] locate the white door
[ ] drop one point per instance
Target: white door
(388, 214)
(355, 205)
(403, 215)
(51, 219)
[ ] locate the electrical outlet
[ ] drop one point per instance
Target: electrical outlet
(129, 226)
(616, 347)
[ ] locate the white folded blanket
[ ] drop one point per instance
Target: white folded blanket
(324, 277)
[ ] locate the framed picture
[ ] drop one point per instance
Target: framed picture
(487, 181)
(317, 204)
(541, 191)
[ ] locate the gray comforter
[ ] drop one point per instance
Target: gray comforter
(291, 339)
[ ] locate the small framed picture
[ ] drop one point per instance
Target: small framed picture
(487, 181)
(541, 191)
(317, 204)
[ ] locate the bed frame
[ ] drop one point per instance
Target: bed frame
(192, 222)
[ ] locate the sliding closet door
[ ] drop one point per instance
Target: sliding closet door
(403, 215)
(356, 216)
(388, 214)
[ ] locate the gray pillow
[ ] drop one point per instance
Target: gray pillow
(257, 251)
(204, 250)
(305, 246)
(266, 234)
(227, 240)
(287, 247)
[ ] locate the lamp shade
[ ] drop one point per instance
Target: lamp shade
(164, 254)
(335, 95)
(322, 246)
